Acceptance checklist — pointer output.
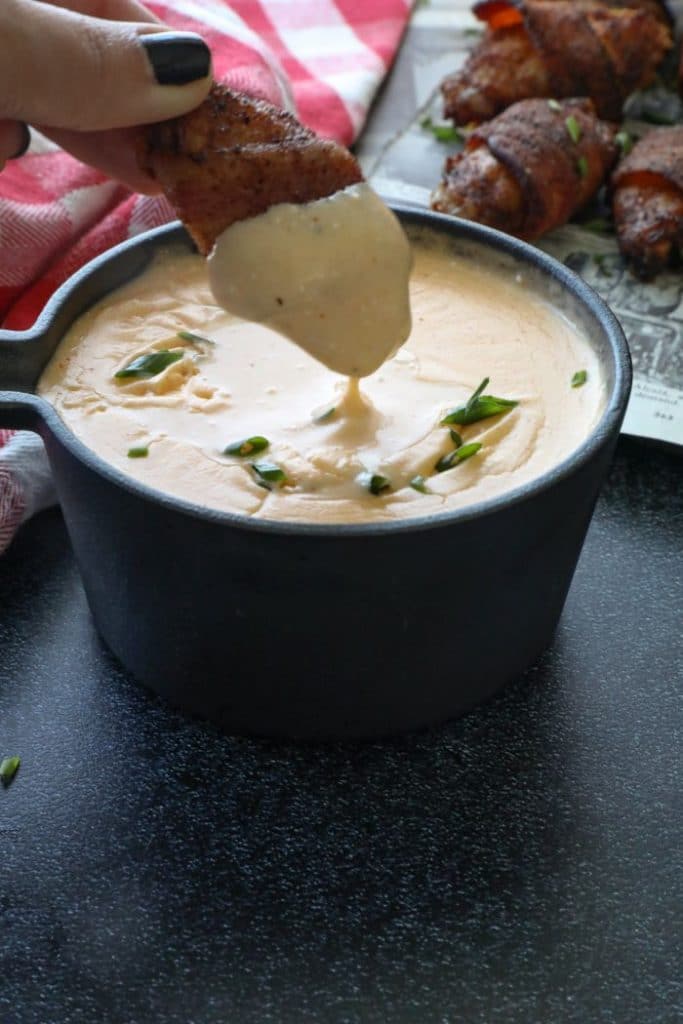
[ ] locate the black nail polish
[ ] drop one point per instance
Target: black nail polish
(24, 143)
(176, 58)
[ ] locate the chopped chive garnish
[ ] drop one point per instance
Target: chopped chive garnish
(455, 437)
(141, 452)
(195, 339)
(9, 767)
(478, 407)
(247, 446)
(624, 141)
(582, 166)
(554, 105)
(597, 225)
(441, 132)
(579, 378)
(457, 456)
(148, 365)
(574, 128)
(378, 484)
(662, 117)
(269, 473)
(418, 484)
(325, 415)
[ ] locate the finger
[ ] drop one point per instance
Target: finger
(110, 10)
(112, 152)
(14, 140)
(66, 70)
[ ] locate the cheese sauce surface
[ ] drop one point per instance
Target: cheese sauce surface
(332, 442)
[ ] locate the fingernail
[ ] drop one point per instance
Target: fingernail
(24, 141)
(177, 58)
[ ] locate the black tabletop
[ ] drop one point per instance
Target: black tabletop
(522, 864)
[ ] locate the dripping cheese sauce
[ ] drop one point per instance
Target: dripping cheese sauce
(328, 433)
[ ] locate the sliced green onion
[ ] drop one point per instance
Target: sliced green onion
(478, 407)
(574, 128)
(554, 105)
(455, 437)
(269, 473)
(418, 484)
(661, 117)
(582, 166)
(141, 452)
(624, 141)
(441, 132)
(378, 484)
(195, 339)
(9, 767)
(374, 482)
(597, 225)
(579, 378)
(325, 415)
(454, 458)
(247, 446)
(149, 365)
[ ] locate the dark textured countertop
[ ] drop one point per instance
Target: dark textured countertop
(520, 865)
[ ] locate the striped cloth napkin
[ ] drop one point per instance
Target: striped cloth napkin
(322, 58)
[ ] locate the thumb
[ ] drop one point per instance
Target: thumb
(61, 69)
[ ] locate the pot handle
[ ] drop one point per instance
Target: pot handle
(20, 367)
(19, 412)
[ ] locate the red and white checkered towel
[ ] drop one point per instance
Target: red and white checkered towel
(325, 58)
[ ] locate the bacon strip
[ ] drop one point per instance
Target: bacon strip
(530, 169)
(647, 201)
(233, 157)
(557, 48)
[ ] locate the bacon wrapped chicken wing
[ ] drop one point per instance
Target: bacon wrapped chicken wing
(557, 48)
(530, 169)
(233, 157)
(647, 200)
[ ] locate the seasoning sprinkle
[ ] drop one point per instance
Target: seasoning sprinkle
(247, 446)
(478, 407)
(141, 452)
(148, 365)
(457, 456)
(579, 378)
(9, 767)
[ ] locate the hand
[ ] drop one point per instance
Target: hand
(84, 71)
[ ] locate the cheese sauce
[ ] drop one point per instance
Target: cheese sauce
(332, 440)
(332, 275)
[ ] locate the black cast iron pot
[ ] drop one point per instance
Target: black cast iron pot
(333, 630)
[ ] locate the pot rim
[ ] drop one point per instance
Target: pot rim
(606, 427)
